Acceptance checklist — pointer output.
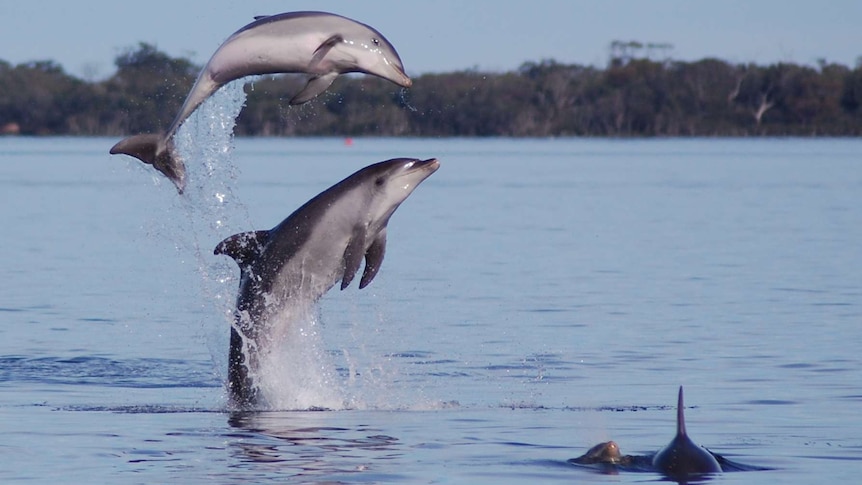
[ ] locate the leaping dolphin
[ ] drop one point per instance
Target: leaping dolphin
(680, 459)
(296, 262)
(321, 44)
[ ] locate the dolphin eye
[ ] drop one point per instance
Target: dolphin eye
(379, 181)
(376, 42)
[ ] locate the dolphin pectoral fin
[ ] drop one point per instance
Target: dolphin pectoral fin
(324, 49)
(353, 256)
(244, 247)
(373, 259)
(315, 86)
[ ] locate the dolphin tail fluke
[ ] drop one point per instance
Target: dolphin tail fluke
(142, 147)
(680, 415)
(151, 149)
(244, 248)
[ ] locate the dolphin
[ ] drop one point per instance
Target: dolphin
(293, 264)
(680, 459)
(321, 44)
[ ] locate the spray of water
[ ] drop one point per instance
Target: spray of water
(406, 102)
(295, 369)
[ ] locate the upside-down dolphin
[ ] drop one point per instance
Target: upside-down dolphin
(321, 44)
(295, 263)
(680, 459)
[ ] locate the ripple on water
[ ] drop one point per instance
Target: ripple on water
(133, 373)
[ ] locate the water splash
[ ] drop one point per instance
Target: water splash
(209, 209)
(205, 143)
(295, 372)
(405, 101)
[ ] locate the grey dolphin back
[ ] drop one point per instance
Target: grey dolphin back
(682, 457)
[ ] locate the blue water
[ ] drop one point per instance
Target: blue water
(537, 297)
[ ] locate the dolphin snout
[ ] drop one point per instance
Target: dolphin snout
(399, 77)
(431, 164)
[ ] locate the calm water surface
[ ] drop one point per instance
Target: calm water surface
(538, 297)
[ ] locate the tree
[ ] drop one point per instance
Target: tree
(39, 96)
(639, 93)
(147, 90)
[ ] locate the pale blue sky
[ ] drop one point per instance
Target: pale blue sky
(444, 35)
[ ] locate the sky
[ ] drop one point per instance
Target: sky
(85, 36)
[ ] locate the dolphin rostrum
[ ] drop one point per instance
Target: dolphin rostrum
(680, 459)
(321, 44)
(292, 265)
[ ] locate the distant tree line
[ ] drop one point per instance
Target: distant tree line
(633, 95)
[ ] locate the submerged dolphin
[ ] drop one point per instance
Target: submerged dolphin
(680, 459)
(322, 44)
(292, 265)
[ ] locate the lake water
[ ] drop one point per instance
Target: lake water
(537, 297)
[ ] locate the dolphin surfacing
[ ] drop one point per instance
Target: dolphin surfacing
(293, 264)
(680, 459)
(321, 44)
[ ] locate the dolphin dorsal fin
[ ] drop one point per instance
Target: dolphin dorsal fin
(244, 247)
(680, 415)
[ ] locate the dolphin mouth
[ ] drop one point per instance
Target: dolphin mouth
(431, 165)
(403, 79)
(415, 171)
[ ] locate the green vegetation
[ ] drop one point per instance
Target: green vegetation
(632, 96)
